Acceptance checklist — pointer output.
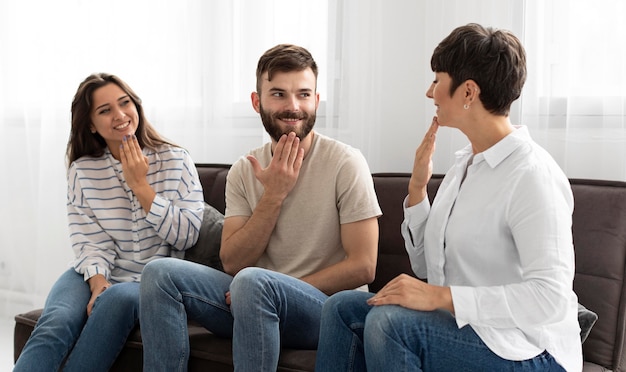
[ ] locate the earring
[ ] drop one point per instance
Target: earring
(466, 106)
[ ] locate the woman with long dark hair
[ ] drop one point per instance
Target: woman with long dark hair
(132, 197)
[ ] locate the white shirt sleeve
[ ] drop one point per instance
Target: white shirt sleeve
(412, 229)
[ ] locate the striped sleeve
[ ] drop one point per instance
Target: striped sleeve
(93, 247)
(176, 211)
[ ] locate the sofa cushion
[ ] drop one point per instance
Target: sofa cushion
(586, 319)
(207, 248)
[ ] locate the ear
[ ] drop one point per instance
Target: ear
(92, 129)
(472, 91)
(256, 101)
(317, 100)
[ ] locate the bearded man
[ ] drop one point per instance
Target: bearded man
(301, 224)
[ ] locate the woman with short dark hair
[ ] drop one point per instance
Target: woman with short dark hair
(494, 249)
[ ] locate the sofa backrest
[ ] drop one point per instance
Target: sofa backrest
(599, 233)
(391, 189)
(599, 229)
(213, 180)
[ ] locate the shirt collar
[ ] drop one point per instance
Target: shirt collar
(501, 150)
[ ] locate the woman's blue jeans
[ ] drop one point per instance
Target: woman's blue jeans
(355, 336)
(268, 310)
(64, 333)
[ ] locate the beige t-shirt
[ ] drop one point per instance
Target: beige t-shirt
(334, 187)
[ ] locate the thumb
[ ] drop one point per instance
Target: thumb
(256, 166)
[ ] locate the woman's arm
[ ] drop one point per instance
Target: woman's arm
(176, 215)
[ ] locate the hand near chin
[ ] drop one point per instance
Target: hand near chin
(281, 175)
(134, 163)
(423, 165)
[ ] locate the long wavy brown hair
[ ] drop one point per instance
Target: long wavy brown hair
(84, 143)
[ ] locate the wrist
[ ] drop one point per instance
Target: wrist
(97, 282)
(446, 299)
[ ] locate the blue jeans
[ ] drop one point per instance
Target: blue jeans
(268, 310)
(355, 336)
(64, 333)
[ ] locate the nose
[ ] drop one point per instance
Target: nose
(119, 114)
(292, 103)
(429, 92)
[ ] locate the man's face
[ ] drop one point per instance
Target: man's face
(288, 103)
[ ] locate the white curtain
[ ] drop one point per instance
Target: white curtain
(193, 63)
(383, 70)
(574, 100)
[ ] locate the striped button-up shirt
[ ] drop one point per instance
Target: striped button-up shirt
(110, 232)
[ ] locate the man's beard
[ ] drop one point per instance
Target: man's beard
(274, 129)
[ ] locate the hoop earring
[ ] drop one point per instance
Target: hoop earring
(466, 106)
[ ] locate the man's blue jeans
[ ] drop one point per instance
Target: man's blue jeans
(268, 310)
(64, 330)
(355, 335)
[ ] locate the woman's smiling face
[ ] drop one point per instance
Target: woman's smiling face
(448, 107)
(113, 115)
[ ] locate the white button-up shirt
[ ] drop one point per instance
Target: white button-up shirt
(499, 235)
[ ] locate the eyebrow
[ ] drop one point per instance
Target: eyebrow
(272, 90)
(106, 104)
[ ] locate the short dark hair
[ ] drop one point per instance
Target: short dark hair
(494, 59)
(82, 142)
(284, 58)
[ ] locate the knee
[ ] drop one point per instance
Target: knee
(398, 323)
(348, 306)
(157, 269)
(343, 301)
(384, 320)
(121, 292)
(160, 273)
(63, 316)
(122, 298)
(250, 281)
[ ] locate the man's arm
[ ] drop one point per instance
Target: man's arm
(244, 239)
(360, 241)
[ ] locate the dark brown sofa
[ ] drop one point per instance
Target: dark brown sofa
(599, 227)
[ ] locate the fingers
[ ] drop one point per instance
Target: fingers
(227, 298)
(89, 307)
(287, 148)
(94, 294)
(256, 166)
(298, 160)
(393, 292)
(423, 165)
(385, 300)
(428, 143)
(294, 149)
(130, 151)
(434, 126)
